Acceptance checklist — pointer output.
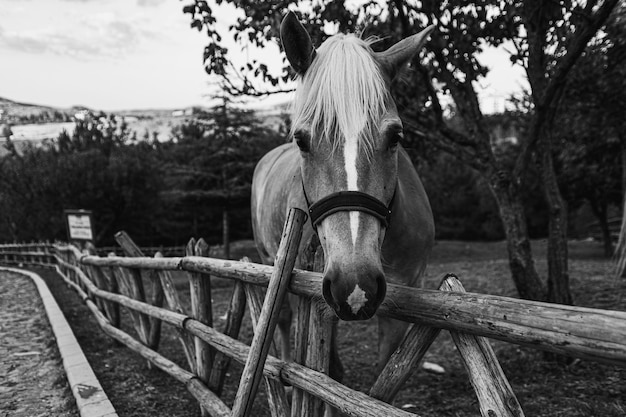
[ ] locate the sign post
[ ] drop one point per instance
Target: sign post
(79, 226)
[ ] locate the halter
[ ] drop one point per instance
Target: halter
(349, 201)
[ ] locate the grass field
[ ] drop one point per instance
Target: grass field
(544, 388)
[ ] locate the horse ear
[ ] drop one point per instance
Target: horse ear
(394, 58)
(297, 43)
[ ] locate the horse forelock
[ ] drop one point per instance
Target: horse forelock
(343, 94)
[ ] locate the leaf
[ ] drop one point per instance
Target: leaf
(191, 9)
(197, 24)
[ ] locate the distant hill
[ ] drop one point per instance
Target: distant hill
(15, 112)
(153, 123)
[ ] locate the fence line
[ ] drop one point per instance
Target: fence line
(352, 402)
(587, 333)
(581, 332)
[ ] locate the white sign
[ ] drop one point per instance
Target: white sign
(79, 226)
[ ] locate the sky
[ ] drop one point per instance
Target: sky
(136, 54)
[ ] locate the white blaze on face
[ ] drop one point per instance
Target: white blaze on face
(357, 299)
(350, 154)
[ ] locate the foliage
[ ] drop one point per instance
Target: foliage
(209, 167)
(462, 205)
(590, 128)
(94, 168)
(160, 193)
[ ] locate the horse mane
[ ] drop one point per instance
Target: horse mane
(342, 94)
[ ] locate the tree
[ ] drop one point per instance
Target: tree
(93, 168)
(549, 37)
(589, 129)
(211, 161)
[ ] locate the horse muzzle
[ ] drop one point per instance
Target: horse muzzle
(354, 297)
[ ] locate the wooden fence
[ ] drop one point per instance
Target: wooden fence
(105, 283)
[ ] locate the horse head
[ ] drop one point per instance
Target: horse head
(347, 128)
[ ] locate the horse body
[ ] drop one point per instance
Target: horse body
(277, 187)
(370, 213)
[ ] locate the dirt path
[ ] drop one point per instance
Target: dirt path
(32, 380)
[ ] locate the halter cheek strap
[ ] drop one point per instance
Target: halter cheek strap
(348, 201)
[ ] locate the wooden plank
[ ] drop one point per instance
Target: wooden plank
(152, 327)
(318, 353)
(404, 361)
(112, 287)
(201, 310)
(495, 395)
(234, 317)
(593, 334)
(111, 310)
(133, 286)
(157, 297)
(276, 396)
(122, 277)
(283, 268)
(136, 289)
(303, 313)
(94, 274)
(128, 245)
(173, 301)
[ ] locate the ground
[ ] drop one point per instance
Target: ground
(32, 380)
(543, 387)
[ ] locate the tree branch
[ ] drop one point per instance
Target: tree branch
(446, 140)
(576, 47)
(546, 104)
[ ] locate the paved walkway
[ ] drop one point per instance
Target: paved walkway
(39, 354)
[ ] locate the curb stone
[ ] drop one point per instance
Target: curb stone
(91, 400)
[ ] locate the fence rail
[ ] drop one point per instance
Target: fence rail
(576, 331)
(105, 283)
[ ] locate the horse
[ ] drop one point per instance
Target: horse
(345, 166)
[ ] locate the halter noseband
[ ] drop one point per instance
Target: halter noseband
(349, 201)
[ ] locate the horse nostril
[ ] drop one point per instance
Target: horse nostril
(352, 298)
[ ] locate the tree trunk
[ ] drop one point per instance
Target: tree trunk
(601, 215)
(558, 275)
(623, 141)
(620, 243)
(226, 233)
(521, 262)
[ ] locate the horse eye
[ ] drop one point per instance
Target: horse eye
(394, 138)
(302, 140)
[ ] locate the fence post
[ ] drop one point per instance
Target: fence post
(303, 313)
(281, 276)
(94, 274)
(319, 342)
(150, 327)
(109, 283)
(124, 279)
(234, 316)
(404, 360)
(201, 310)
(174, 303)
(276, 397)
(495, 395)
(113, 286)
